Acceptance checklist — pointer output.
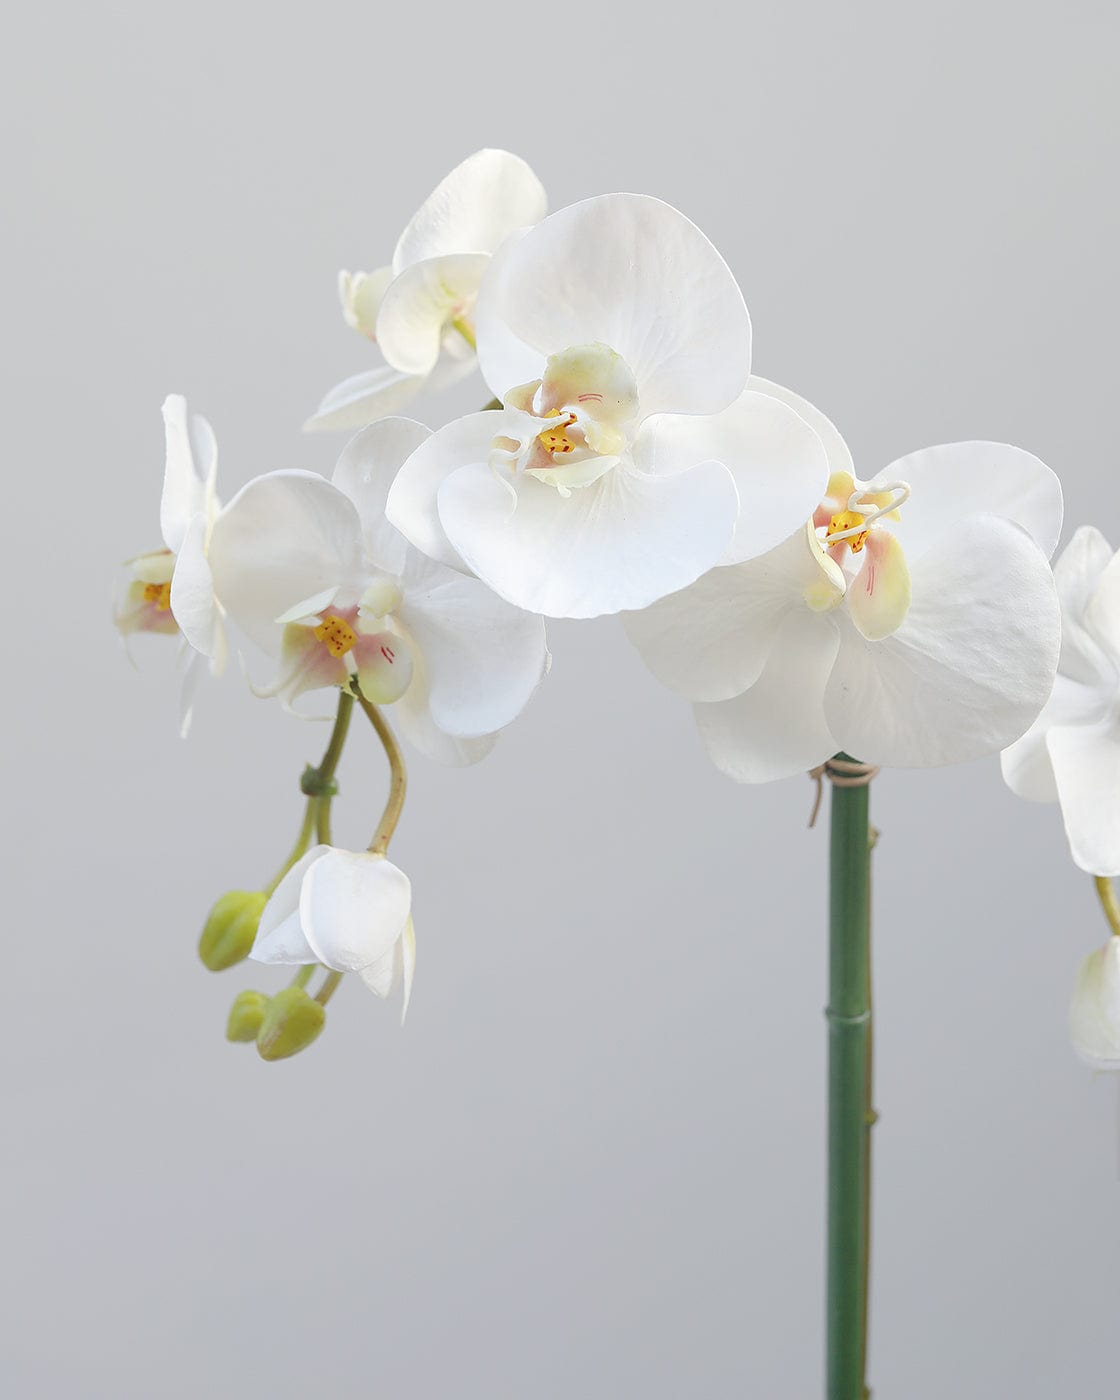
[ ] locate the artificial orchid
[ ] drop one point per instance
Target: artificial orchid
(912, 620)
(349, 911)
(618, 343)
(170, 592)
(419, 310)
(311, 569)
(1071, 754)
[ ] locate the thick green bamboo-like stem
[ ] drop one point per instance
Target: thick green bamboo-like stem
(849, 1022)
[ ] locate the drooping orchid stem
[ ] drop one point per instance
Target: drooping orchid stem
(303, 841)
(319, 782)
(398, 779)
(398, 784)
(1106, 893)
(849, 1106)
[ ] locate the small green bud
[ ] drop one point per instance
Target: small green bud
(246, 1015)
(231, 928)
(292, 1020)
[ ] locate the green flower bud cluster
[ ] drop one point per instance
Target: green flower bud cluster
(281, 1025)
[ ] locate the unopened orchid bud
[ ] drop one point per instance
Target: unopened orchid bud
(246, 1015)
(1094, 1013)
(292, 1020)
(231, 928)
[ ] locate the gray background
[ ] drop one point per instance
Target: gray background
(592, 1164)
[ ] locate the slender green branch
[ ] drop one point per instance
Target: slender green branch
(329, 987)
(466, 330)
(1106, 893)
(398, 779)
(849, 1019)
(303, 841)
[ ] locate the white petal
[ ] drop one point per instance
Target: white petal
(961, 479)
(192, 590)
(778, 727)
(1078, 571)
(283, 538)
(192, 456)
(419, 305)
(413, 718)
(472, 209)
(1102, 619)
(412, 505)
(836, 449)
(408, 965)
(621, 543)
(353, 906)
(381, 976)
(1094, 1013)
(365, 472)
(711, 640)
(1086, 761)
(193, 672)
(280, 936)
(971, 665)
(777, 460)
(1026, 765)
(363, 398)
(635, 274)
(483, 657)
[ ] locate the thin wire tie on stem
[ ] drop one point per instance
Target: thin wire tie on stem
(841, 773)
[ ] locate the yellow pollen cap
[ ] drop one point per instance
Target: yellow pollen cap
(159, 594)
(846, 520)
(336, 634)
(556, 439)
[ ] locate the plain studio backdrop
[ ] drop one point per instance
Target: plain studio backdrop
(592, 1163)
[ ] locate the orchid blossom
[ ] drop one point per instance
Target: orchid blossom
(618, 343)
(912, 621)
(348, 910)
(1071, 754)
(419, 310)
(171, 590)
(311, 569)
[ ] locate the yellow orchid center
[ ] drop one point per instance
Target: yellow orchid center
(159, 594)
(557, 439)
(844, 528)
(336, 634)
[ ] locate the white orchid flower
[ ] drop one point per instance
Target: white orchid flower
(420, 309)
(348, 910)
(312, 569)
(912, 622)
(171, 590)
(618, 342)
(1094, 1013)
(1071, 754)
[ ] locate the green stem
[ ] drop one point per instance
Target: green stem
(1107, 896)
(466, 330)
(325, 771)
(849, 1020)
(319, 782)
(398, 779)
(329, 987)
(303, 841)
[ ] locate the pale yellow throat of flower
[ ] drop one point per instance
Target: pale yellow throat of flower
(858, 561)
